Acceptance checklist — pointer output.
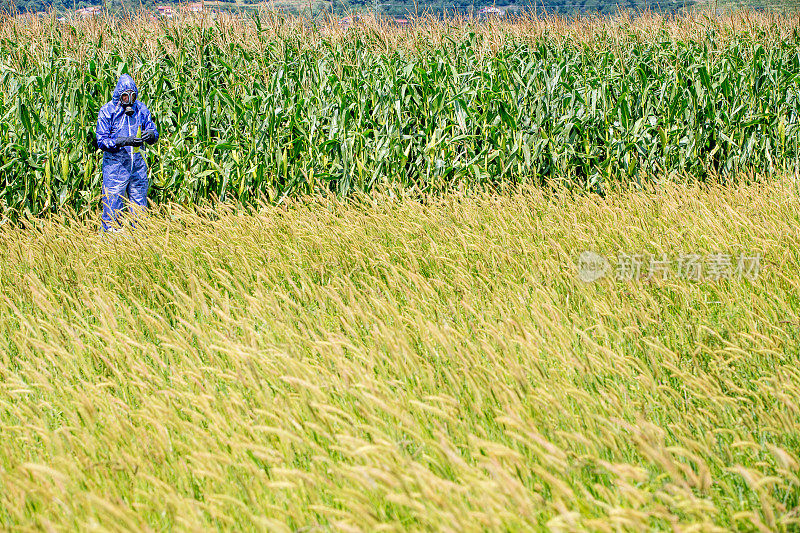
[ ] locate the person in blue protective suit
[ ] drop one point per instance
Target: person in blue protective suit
(123, 126)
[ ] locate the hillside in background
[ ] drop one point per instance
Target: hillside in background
(393, 8)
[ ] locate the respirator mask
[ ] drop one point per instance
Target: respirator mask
(126, 100)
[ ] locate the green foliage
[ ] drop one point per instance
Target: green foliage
(273, 115)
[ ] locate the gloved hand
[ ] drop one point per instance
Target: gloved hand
(149, 136)
(127, 141)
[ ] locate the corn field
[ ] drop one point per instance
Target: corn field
(267, 107)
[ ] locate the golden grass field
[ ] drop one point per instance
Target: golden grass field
(392, 363)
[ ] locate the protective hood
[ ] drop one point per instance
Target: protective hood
(125, 83)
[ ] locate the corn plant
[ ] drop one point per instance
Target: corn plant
(266, 108)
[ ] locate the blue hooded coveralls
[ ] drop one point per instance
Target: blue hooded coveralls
(124, 169)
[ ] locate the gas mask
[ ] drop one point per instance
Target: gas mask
(126, 100)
